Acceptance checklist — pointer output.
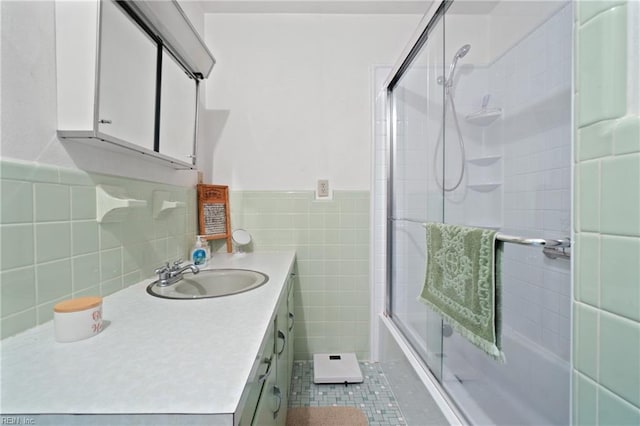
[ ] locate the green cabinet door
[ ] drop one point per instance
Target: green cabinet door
(282, 355)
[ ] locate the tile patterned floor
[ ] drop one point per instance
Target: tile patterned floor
(374, 396)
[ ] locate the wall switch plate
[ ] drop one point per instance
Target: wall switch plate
(322, 189)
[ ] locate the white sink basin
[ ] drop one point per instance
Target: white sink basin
(210, 283)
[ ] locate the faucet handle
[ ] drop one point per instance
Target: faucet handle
(162, 269)
(176, 265)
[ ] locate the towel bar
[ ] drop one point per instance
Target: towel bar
(538, 242)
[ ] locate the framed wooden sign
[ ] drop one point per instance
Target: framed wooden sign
(213, 213)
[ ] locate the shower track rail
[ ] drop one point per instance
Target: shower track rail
(551, 248)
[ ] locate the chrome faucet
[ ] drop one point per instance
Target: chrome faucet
(168, 274)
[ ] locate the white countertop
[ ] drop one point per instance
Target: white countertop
(154, 356)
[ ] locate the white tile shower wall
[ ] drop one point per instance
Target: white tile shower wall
(54, 249)
(331, 240)
(532, 83)
(466, 205)
(533, 137)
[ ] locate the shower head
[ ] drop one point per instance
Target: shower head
(461, 53)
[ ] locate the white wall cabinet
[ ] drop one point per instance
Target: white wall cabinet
(124, 83)
(127, 87)
(177, 110)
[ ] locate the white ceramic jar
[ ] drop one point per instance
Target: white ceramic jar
(77, 319)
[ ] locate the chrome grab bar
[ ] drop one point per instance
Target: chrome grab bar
(538, 242)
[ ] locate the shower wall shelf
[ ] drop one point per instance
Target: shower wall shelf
(113, 204)
(484, 187)
(163, 202)
(484, 117)
(484, 161)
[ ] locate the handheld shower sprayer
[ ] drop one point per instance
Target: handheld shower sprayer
(448, 84)
(461, 53)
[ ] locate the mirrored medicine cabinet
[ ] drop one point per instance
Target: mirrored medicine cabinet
(128, 77)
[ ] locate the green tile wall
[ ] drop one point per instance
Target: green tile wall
(331, 239)
(52, 247)
(606, 217)
(601, 86)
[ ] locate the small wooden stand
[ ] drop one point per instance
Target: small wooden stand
(213, 213)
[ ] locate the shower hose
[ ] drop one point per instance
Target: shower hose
(449, 100)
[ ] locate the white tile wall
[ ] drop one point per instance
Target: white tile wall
(379, 211)
(537, 181)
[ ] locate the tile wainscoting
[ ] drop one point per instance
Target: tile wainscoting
(54, 249)
(331, 239)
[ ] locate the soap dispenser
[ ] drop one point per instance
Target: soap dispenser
(207, 249)
(199, 253)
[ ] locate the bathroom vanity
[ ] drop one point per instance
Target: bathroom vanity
(217, 361)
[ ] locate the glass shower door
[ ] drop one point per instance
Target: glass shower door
(513, 107)
(481, 134)
(417, 108)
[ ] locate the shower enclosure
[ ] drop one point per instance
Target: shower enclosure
(479, 117)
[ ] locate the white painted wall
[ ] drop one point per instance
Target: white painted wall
(291, 96)
(28, 97)
(195, 12)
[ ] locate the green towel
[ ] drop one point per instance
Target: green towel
(462, 282)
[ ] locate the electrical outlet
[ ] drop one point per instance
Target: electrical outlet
(322, 190)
